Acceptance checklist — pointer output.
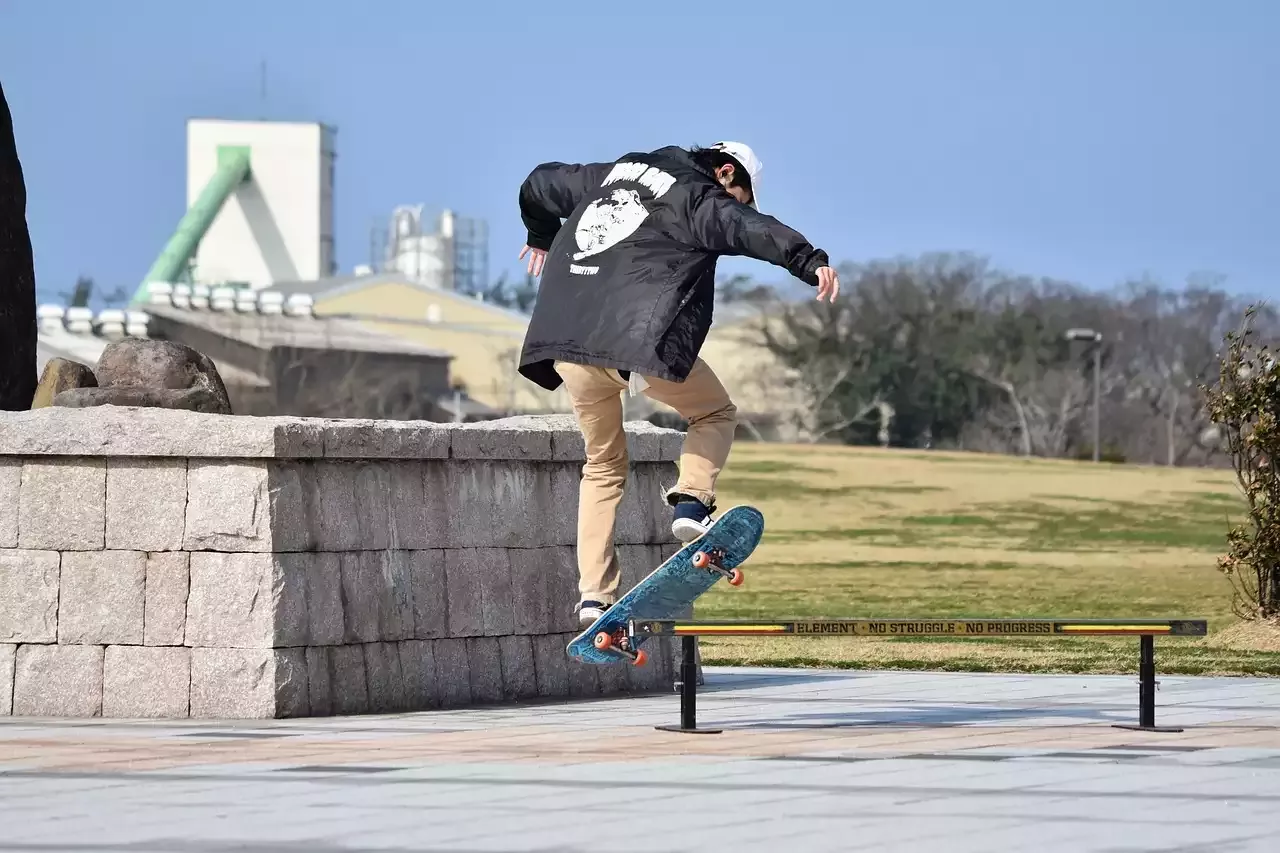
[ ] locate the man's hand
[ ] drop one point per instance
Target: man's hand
(828, 284)
(537, 257)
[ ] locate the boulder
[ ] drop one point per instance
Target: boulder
(60, 375)
(156, 374)
(192, 399)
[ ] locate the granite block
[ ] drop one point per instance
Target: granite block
(168, 582)
(484, 669)
(238, 684)
(141, 681)
(146, 504)
(10, 489)
(29, 596)
(102, 597)
(58, 681)
(62, 504)
(453, 675)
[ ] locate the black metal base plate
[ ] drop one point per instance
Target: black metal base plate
(1136, 728)
(683, 731)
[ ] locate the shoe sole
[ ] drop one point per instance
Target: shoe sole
(585, 623)
(687, 530)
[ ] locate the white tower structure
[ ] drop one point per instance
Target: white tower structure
(277, 225)
(426, 258)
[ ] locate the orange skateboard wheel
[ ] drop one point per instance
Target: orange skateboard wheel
(735, 577)
(641, 657)
(602, 641)
(700, 560)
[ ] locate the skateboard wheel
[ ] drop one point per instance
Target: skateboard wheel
(700, 560)
(602, 641)
(735, 577)
(641, 657)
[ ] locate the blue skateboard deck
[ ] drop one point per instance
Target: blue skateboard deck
(673, 586)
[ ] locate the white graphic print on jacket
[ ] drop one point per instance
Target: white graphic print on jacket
(608, 221)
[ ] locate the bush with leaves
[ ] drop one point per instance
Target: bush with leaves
(1245, 405)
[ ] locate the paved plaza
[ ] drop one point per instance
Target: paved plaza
(808, 761)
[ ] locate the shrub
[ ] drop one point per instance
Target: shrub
(1245, 405)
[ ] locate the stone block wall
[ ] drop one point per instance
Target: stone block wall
(159, 563)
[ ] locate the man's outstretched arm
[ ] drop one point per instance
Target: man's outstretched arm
(550, 194)
(722, 224)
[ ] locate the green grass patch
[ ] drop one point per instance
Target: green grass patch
(896, 489)
(757, 489)
(771, 466)
(1199, 523)
(892, 537)
(953, 521)
(1220, 498)
(849, 534)
(908, 590)
(972, 459)
(1080, 498)
(762, 489)
(1101, 656)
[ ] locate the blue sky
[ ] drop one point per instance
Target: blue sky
(1089, 140)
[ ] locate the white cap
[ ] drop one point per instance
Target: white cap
(744, 155)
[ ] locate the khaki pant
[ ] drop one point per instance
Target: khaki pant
(596, 393)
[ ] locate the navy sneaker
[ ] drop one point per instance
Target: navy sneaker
(589, 611)
(690, 519)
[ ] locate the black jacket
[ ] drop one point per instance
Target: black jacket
(629, 279)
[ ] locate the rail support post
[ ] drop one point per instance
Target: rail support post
(1147, 690)
(688, 687)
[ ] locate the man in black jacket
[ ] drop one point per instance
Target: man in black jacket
(628, 282)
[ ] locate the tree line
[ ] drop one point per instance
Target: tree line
(947, 351)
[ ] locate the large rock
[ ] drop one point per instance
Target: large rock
(192, 399)
(62, 374)
(17, 277)
(153, 374)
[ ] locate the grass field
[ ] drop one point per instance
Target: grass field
(858, 532)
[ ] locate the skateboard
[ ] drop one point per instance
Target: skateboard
(673, 586)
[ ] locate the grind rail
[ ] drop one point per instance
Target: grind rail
(1146, 630)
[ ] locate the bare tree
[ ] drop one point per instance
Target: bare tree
(945, 349)
(1173, 342)
(821, 352)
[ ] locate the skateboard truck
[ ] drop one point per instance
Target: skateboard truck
(620, 641)
(710, 560)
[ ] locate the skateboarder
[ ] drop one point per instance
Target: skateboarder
(625, 304)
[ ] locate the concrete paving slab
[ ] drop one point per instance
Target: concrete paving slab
(809, 760)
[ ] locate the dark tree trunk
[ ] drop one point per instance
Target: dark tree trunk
(17, 277)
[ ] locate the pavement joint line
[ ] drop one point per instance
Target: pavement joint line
(1038, 790)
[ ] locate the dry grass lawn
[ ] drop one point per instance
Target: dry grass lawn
(860, 532)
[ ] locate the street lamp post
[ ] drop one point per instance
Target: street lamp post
(1096, 337)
